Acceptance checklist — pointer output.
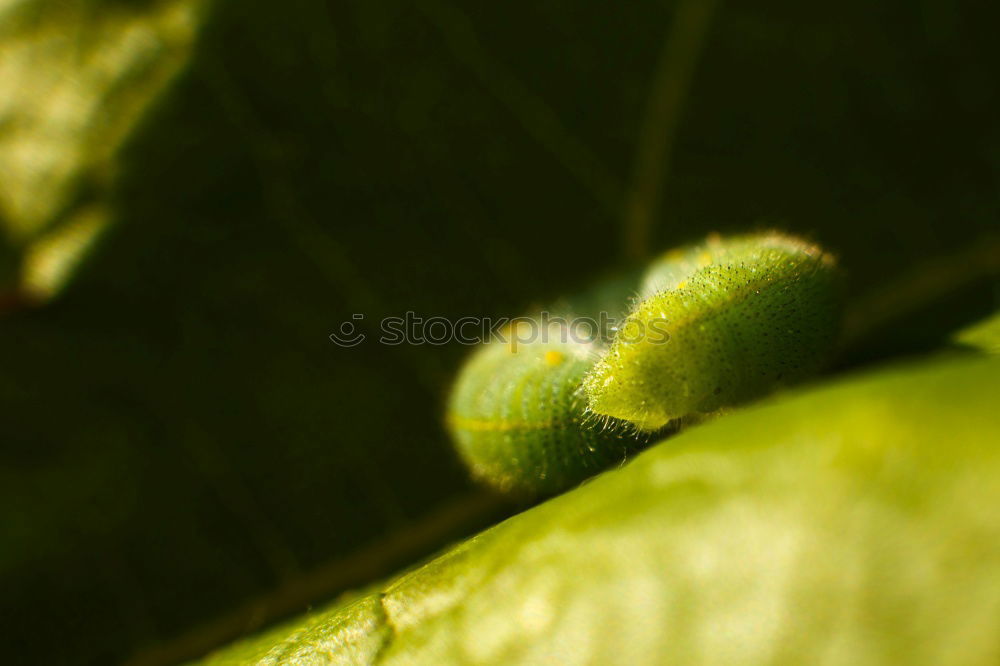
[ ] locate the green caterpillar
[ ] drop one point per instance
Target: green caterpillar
(714, 325)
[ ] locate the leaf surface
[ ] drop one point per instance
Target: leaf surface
(853, 523)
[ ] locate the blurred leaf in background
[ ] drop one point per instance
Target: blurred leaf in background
(983, 335)
(181, 438)
(75, 80)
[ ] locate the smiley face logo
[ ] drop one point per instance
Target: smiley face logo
(348, 335)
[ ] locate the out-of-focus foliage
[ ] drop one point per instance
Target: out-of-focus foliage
(75, 80)
(983, 335)
(839, 526)
(179, 433)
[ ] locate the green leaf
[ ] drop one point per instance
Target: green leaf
(850, 524)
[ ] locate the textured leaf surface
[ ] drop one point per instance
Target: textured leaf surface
(850, 524)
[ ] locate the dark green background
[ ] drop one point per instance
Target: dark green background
(180, 435)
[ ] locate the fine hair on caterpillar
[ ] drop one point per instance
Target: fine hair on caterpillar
(607, 423)
(713, 325)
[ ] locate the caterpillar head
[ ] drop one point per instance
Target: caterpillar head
(720, 323)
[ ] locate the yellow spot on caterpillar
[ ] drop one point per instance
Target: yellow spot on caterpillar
(554, 358)
(682, 284)
(704, 259)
